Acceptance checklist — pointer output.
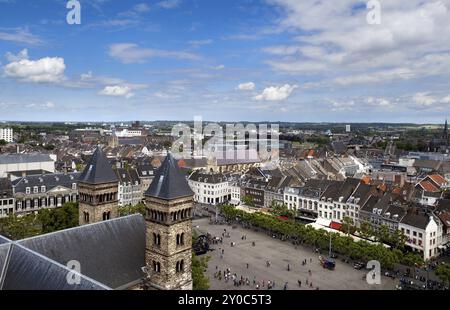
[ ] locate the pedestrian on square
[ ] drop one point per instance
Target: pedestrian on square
(299, 283)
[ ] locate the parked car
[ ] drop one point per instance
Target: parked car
(359, 265)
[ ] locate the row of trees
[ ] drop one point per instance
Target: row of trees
(344, 245)
(46, 221)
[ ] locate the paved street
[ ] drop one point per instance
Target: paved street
(280, 254)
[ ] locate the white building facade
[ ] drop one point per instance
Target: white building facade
(7, 134)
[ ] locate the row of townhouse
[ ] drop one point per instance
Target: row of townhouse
(130, 190)
(262, 188)
(34, 191)
(211, 188)
(335, 200)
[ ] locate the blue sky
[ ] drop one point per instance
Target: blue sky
(265, 60)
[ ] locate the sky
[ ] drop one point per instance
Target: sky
(226, 60)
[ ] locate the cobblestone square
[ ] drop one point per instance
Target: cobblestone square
(280, 254)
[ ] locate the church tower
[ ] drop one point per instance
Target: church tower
(97, 188)
(169, 204)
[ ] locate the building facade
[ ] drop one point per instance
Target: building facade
(7, 134)
(6, 198)
(35, 192)
(26, 162)
(210, 188)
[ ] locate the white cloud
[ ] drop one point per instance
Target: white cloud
(44, 70)
(19, 35)
(246, 86)
(276, 93)
(411, 41)
(424, 99)
(23, 54)
(132, 53)
(117, 91)
(446, 99)
(169, 4)
(49, 105)
(141, 7)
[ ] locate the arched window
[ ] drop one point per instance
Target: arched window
(106, 215)
(179, 266)
(156, 267)
(158, 240)
(86, 216)
(182, 239)
(178, 239)
(154, 239)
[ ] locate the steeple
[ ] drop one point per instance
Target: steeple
(98, 170)
(98, 190)
(169, 209)
(169, 182)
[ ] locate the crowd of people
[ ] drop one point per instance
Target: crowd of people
(244, 280)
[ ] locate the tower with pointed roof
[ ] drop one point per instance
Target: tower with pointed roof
(169, 204)
(98, 190)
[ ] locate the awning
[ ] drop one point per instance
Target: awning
(323, 222)
(336, 225)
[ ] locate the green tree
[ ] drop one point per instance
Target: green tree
(248, 201)
(128, 210)
(3, 142)
(278, 209)
(366, 230)
(59, 218)
(347, 225)
(18, 227)
(443, 272)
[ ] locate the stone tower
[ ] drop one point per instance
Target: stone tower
(97, 188)
(169, 203)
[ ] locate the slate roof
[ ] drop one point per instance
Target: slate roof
(98, 170)
(50, 181)
(213, 178)
(24, 158)
(111, 255)
(27, 270)
(416, 220)
(169, 182)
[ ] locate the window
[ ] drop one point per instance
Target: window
(179, 266)
(86, 216)
(74, 186)
(42, 189)
(35, 189)
(156, 267)
(27, 190)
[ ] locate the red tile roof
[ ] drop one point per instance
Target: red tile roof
(428, 186)
(438, 179)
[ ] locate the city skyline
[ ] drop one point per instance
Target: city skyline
(274, 61)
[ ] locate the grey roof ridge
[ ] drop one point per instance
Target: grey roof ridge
(15, 243)
(5, 266)
(78, 227)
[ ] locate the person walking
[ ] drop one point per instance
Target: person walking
(299, 283)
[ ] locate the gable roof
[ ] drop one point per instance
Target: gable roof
(98, 170)
(169, 182)
(111, 255)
